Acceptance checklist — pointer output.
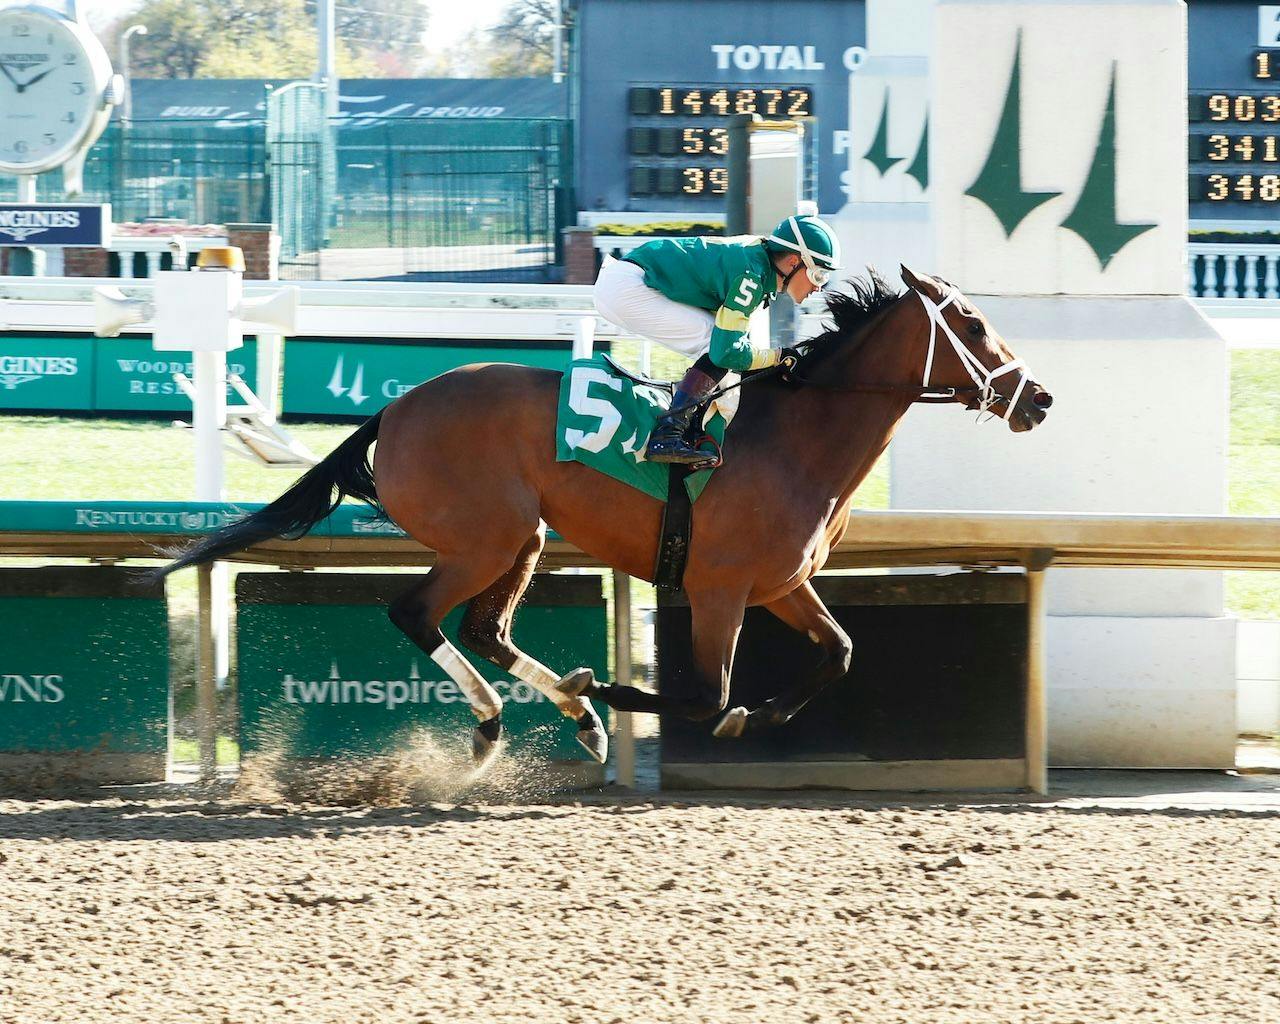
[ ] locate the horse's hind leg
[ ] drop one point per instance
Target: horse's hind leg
(486, 629)
(418, 613)
(802, 610)
(717, 619)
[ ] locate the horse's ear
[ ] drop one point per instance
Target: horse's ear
(925, 284)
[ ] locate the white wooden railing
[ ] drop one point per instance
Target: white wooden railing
(1232, 270)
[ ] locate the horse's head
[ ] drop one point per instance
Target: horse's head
(967, 354)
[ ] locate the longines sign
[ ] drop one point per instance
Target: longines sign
(55, 225)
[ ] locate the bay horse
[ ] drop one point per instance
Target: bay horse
(466, 464)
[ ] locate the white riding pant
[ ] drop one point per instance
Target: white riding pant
(622, 298)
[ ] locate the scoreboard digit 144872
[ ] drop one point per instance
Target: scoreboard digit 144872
(678, 135)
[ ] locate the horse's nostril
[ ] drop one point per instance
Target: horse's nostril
(1042, 400)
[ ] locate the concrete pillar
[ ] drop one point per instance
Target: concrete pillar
(1058, 162)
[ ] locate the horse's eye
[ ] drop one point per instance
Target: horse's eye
(975, 329)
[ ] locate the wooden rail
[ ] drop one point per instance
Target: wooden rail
(1032, 541)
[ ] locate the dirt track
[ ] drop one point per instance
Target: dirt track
(635, 910)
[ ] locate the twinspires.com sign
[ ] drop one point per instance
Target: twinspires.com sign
(324, 674)
(55, 225)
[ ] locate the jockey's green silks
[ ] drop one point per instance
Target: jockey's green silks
(728, 277)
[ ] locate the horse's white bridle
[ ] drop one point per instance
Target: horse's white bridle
(981, 376)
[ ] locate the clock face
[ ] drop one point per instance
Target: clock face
(49, 91)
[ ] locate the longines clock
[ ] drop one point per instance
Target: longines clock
(56, 91)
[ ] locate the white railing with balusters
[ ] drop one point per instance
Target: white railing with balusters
(155, 246)
(1229, 270)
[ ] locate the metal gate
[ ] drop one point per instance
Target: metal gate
(481, 201)
(297, 150)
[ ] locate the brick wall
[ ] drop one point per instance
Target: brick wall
(579, 256)
(85, 262)
(261, 248)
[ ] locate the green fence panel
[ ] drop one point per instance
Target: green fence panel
(44, 371)
(335, 377)
(131, 376)
(84, 667)
(81, 373)
(324, 674)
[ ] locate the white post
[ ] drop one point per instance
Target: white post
(625, 742)
(584, 337)
(33, 258)
(270, 348)
(208, 415)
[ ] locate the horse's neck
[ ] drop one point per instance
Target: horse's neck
(830, 439)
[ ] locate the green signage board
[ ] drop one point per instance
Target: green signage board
(81, 373)
(337, 377)
(131, 376)
(84, 666)
(323, 673)
(46, 371)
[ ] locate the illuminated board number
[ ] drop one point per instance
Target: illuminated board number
(704, 141)
(1266, 64)
(701, 181)
(710, 101)
(1243, 109)
(1243, 188)
(1241, 148)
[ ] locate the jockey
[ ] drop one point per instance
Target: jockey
(695, 295)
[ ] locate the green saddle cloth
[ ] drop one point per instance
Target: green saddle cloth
(604, 420)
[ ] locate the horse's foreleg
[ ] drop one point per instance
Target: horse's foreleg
(717, 619)
(804, 611)
(486, 629)
(418, 613)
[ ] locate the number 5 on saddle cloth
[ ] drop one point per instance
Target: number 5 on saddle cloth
(604, 418)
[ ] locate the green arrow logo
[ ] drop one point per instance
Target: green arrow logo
(919, 168)
(878, 153)
(999, 183)
(1094, 216)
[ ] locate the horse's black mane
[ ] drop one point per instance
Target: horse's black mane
(851, 310)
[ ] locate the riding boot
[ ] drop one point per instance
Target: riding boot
(667, 442)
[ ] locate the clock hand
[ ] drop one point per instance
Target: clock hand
(32, 81)
(5, 69)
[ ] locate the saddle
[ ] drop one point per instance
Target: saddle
(638, 378)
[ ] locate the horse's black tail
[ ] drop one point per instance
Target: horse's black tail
(344, 471)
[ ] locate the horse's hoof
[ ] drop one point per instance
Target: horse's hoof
(732, 724)
(596, 743)
(576, 683)
(486, 742)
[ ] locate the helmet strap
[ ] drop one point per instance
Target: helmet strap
(790, 274)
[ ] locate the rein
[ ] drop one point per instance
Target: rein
(981, 396)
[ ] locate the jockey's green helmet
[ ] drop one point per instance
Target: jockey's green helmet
(814, 240)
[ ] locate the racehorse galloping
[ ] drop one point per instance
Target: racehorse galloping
(466, 464)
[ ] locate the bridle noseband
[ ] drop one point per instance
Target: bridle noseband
(984, 390)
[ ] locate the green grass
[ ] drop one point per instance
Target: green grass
(188, 751)
(1253, 473)
(55, 459)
